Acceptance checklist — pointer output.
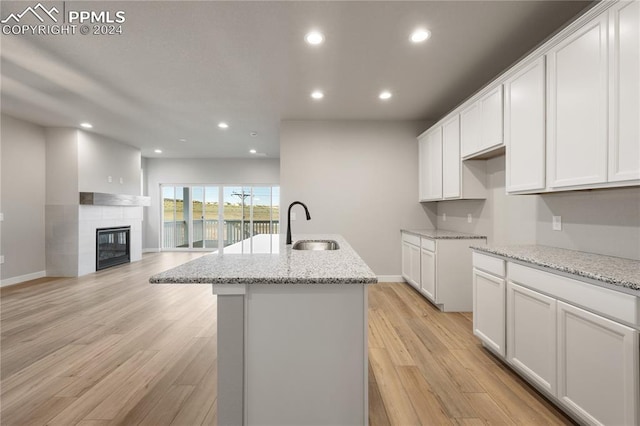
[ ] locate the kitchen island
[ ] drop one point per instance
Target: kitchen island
(292, 331)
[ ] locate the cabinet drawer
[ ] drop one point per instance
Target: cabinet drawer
(411, 239)
(489, 264)
(613, 304)
(428, 244)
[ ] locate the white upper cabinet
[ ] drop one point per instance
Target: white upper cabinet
(451, 157)
(524, 128)
(491, 119)
(470, 129)
(443, 175)
(624, 126)
(578, 99)
(431, 165)
(481, 123)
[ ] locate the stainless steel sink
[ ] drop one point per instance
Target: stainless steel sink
(315, 245)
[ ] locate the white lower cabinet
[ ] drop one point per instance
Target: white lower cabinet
(586, 358)
(428, 273)
(489, 304)
(440, 269)
(531, 335)
(597, 367)
(411, 259)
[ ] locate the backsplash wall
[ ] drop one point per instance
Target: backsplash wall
(600, 221)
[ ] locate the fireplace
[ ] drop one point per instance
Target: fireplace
(112, 247)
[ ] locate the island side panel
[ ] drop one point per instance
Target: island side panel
(306, 356)
(230, 359)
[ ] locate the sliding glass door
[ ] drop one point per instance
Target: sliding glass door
(205, 217)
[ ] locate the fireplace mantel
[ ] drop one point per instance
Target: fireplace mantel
(104, 199)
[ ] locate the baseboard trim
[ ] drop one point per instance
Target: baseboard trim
(390, 279)
(22, 278)
(150, 250)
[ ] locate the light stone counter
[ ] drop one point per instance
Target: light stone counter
(443, 234)
(615, 271)
(264, 259)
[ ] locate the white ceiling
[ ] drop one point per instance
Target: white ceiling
(181, 67)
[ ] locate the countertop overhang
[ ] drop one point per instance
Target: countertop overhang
(616, 272)
(281, 266)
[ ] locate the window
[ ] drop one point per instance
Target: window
(205, 217)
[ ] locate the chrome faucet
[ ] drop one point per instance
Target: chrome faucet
(306, 210)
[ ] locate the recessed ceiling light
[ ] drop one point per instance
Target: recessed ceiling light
(86, 125)
(252, 151)
(385, 94)
(183, 140)
(157, 151)
(314, 38)
(253, 134)
(420, 35)
(223, 125)
(317, 94)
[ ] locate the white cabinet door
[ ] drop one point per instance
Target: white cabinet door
(524, 128)
(411, 264)
(430, 165)
(624, 113)
(489, 310)
(451, 158)
(422, 168)
(577, 108)
(415, 265)
(434, 165)
(470, 129)
(406, 261)
(428, 274)
(491, 119)
(531, 335)
(597, 367)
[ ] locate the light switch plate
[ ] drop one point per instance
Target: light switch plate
(293, 215)
(444, 217)
(121, 180)
(1, 260)
(469, 218)
(556, 223)
(1, 217)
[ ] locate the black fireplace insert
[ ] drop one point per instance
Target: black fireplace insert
(112, 246)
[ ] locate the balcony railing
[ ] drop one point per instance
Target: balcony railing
(205, 232)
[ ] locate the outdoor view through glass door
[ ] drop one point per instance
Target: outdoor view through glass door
(210, 217)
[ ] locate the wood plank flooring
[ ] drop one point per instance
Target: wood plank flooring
(111, 349)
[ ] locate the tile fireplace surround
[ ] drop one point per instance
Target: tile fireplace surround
(71, 235)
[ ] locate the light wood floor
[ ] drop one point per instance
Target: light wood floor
(111, 349)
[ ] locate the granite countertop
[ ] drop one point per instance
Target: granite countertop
(616, 271)
(278, 264)
(443, 234)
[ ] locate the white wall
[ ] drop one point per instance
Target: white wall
(62, 166)
(601, 221)
(22, 197)
(503, 219)
(359, 179)
(100, 157)
(198, 171)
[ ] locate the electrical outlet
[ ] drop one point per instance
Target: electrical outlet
(444, 217)
(1, 260)
(469, 218)
(109, 179)
(556, 223)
